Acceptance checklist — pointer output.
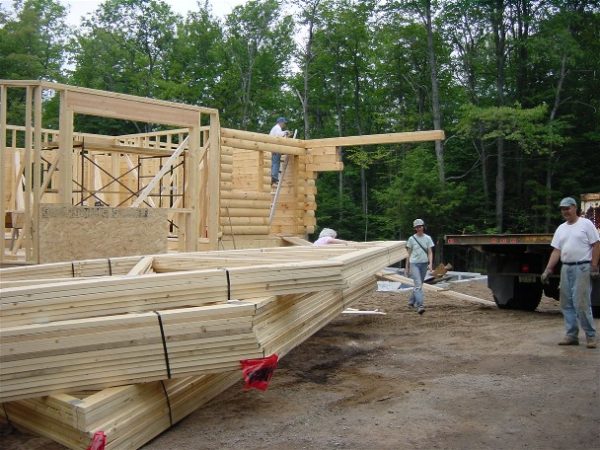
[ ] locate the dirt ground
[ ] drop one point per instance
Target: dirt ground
(461, 376)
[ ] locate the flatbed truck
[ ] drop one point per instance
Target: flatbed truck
(515, 263)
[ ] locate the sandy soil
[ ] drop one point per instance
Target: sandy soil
(462, 376)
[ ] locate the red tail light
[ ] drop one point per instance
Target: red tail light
(525, 268)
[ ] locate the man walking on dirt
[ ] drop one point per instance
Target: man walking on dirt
(577, 245)
(419, 261)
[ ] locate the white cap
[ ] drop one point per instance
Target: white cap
(418, 222)
(327, 232)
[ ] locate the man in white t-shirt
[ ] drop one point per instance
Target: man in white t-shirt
(279, 130)
(577, 245)
(419, 261)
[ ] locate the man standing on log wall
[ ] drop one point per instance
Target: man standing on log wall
(279, 130)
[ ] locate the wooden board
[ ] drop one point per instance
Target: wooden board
(70, 233)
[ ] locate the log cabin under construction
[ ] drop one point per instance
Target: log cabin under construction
(149, 265)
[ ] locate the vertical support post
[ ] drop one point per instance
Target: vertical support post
(214, 182)
(3, 165)
(37, 171)
(65, 161)
(115, 170)
(27, 237)
(192, 201)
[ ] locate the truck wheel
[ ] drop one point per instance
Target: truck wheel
(526, 297)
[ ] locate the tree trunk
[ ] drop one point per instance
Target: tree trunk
(500, 44)
(550, 163)
(435, 94)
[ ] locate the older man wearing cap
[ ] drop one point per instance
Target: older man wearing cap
(577, 245)
(279, 130)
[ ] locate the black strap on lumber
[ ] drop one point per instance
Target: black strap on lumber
(72, 269)
(228, 285)
(109, 267)
(168, 401)
(164, 341)
(6, 414)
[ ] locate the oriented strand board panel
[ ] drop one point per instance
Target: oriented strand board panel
(70, 233)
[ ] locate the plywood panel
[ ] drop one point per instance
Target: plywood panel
(77, 232)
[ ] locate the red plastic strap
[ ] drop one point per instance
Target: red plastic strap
(98, 441)
(258, 372)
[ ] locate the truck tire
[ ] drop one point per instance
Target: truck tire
(526, 297)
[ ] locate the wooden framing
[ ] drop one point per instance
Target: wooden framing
(214, 182)
(197, 313)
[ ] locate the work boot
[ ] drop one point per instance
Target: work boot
(421, 309)
(569, 340)
(590, 341)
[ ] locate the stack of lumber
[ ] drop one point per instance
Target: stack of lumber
(158, 365)
(130, 415)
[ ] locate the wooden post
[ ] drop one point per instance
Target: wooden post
(214, 190)
(37, 171)
(65, 126)
(28, 160)
(3, 92)
(191, 192)
(115, 169)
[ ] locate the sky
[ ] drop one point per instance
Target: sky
(79, 8)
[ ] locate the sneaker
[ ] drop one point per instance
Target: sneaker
(590, 341)
(569, 340)
(421, 310)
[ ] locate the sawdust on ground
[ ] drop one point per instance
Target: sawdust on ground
(461, 376)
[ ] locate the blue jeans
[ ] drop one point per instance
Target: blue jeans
(275, 163)
(575, 299)
(417, 274)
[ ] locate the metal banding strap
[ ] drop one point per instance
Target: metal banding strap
(228, 285)
(6, 415)
(162, 382)
(109, 267)
(164, 341)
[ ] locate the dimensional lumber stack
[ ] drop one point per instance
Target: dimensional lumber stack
(164, 334)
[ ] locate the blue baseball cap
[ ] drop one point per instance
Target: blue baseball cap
(566, 202)
(281, 120)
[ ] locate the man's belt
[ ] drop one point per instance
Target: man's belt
(576, 263)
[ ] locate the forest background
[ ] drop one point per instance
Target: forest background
(515, 84)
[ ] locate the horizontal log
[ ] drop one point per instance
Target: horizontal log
(263, 146)
(387, 138)
(260, 137)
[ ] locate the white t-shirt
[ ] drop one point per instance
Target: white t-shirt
(575, 240)
(417, 255)
(278, 131)
(325, 240)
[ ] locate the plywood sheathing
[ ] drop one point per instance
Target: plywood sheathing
(67, 232)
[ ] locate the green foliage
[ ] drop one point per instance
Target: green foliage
(367, 73)
(528, 129)
(32, 41)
